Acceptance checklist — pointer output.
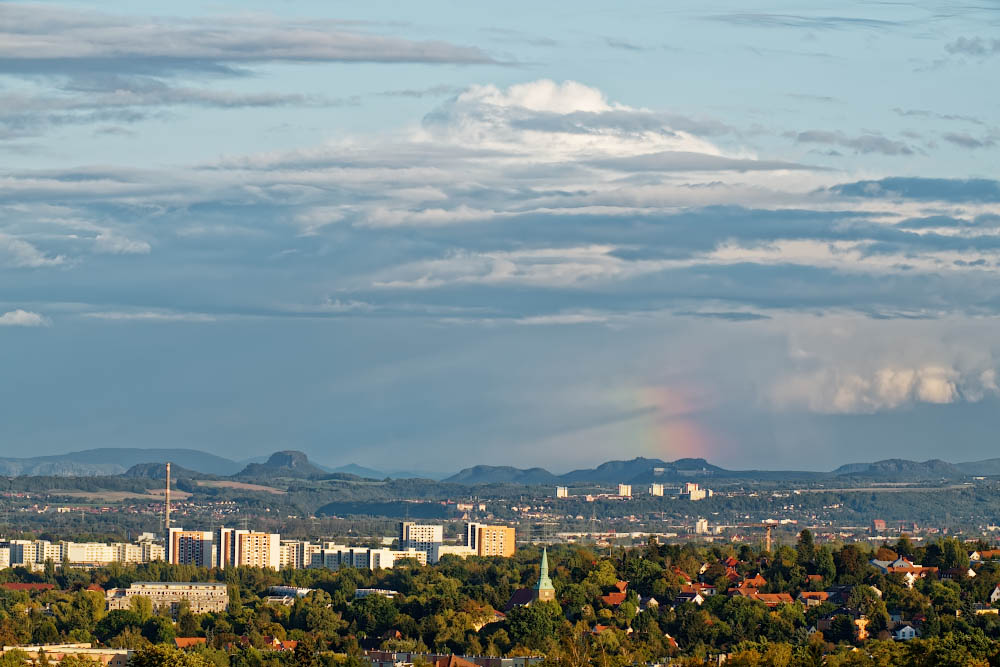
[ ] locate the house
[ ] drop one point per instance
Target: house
(276, 644)
(909, 571)
(813, 598)
(694, 597)
(958, 573)
(756, 581)
(648, 602)
(984, 555)
(814, 578)
(616, 597)
(904, 632)
(185, 643)
(770, 599)
(995, 595)
(681, 574)
(706, 590)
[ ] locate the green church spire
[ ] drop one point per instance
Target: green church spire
(544, 583)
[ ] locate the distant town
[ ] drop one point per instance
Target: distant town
(643, 566)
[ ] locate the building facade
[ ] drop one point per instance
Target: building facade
(190, 547)
(202, 597)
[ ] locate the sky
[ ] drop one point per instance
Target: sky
(424, 236)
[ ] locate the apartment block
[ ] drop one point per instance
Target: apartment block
(422, 537)
(625, 490)
(236, 548)
(562, 492)
(190, 547)
(334, 557)
(202, 597)
(656, 489)
(485, 540)
(296, 553)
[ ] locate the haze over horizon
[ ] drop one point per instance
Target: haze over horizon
(433, 236)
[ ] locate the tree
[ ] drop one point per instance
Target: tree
(851, 564)
(14, 658)
(158, 630)
(805, 547)
(141, 606)
(115, 622)
(842, 628)
(163, 656)
(534, 626)
(825, 566)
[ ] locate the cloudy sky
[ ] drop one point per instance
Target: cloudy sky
(429, 235)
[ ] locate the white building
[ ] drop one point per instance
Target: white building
(625, 490)
(692, 491)
(296, 553)
(656, 489)
(562, 492)
(701, 526)
(334, 557)
(422, 537)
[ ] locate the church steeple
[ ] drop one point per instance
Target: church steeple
(544, 590)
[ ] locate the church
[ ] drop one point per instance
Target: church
(543, 591)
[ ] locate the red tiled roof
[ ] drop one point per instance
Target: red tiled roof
(613, 599)
(27, 587)
(188, 642)
(814, 595)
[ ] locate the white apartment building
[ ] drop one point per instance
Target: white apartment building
(656, 489)
(562, 492)
(334, 557)
(625, 490)
(32, 554)
(296, 553)
(693, 491)
(422, 537)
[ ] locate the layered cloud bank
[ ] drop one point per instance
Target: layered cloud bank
(545, 204)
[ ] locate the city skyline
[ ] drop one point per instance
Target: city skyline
(436, 237)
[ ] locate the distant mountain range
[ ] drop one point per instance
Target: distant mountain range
(190, 463)
(114, 461)
(644, 471)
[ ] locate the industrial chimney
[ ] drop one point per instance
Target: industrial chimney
(166, 507)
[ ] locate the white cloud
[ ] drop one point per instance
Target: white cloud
(549, 121)
(151, 316)
(23, 318)
(15, 252)
(112, 244)
(840, 391)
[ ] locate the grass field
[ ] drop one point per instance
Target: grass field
(226, 484)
